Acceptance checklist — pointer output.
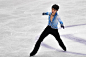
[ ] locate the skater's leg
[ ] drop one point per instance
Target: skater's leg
(42, 36)
(57, 37)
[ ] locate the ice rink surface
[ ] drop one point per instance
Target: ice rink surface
(21, 22)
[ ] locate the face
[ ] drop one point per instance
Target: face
(53, 11)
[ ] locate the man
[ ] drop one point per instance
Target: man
(50, 29)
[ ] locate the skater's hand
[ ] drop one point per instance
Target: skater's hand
(62, 26)
(43, 13)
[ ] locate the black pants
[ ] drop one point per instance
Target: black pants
(48, 30)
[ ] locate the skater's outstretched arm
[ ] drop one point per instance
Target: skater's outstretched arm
(45, 13)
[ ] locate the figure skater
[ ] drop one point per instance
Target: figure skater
(51, 28)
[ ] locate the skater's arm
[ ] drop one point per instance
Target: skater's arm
(45, 13)
(60, 21)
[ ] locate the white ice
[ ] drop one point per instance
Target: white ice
(21, 22)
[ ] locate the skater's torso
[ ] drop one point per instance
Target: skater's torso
(53, 20)
(51, 17)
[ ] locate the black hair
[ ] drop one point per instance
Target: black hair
(56, 7)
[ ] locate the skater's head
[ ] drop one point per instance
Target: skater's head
(55, 8)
